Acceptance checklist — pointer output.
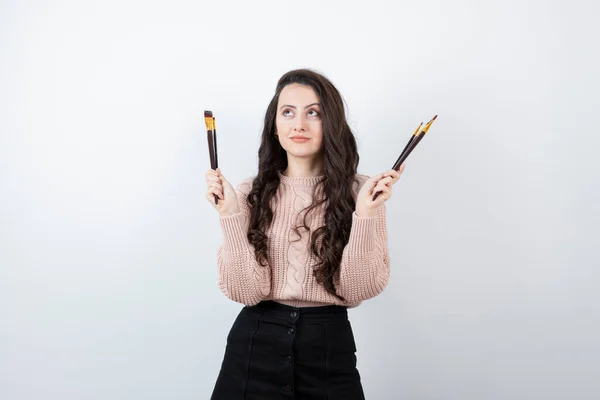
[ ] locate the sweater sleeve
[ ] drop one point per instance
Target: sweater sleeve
(365, 268)
(241, 277)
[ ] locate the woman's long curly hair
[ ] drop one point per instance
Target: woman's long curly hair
(340, 163)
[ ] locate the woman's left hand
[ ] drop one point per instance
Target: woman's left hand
(365, 206)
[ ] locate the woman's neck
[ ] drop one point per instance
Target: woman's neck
(303, 168)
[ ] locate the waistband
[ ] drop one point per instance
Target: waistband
(331, 309)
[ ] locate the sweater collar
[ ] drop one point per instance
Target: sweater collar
(305, 181)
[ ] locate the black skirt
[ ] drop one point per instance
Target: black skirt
(276, 351)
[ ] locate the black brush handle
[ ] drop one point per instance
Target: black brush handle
(410, 141)
(214, 134)
(215, 147)
(408, 151)
(211, 148)
(405, 153)
(212, 155)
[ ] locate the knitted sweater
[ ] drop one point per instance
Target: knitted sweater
(365, 266)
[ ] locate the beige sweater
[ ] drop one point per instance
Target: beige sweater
(364, 270)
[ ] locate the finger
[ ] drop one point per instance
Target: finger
(214, 191)
(213, 179)
(384, 181)
(372, 182)
(388, 181)
(393, 173)
(395, 176)
(381, 188)
(211, 199)
(216, 186)
(386, 194)
(222, 178)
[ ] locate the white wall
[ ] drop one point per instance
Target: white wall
(108, 247)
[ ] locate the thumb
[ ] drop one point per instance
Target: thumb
(374, 180)
(224, 181)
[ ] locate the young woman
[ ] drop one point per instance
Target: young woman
(303, 242)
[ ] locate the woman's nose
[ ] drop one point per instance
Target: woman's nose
(299, 124)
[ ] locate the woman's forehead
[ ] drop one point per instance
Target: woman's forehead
(298, 95)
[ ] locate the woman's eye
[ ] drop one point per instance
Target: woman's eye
(313, 113)
(287, 112)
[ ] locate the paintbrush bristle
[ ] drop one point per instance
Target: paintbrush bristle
(432, 119)
(209, 120)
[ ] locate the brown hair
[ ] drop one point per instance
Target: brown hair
(340, 163)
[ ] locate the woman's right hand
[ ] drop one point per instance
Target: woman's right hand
(218, 185)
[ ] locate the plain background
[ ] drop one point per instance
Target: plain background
(108, 277)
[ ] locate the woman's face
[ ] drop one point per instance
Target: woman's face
(299, 116)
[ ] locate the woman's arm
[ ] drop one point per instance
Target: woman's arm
(241, 277)
(365, 268)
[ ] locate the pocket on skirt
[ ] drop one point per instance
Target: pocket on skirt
(244, 327)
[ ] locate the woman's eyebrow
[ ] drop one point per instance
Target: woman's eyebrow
(294, 107)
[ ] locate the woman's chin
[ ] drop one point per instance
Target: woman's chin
(303, 154)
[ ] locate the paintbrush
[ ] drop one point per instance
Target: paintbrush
(211, 131)
(410, 141)
(410, 146)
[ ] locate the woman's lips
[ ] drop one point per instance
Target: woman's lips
(299, 139)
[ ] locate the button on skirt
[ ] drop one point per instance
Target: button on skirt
(275, 351)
